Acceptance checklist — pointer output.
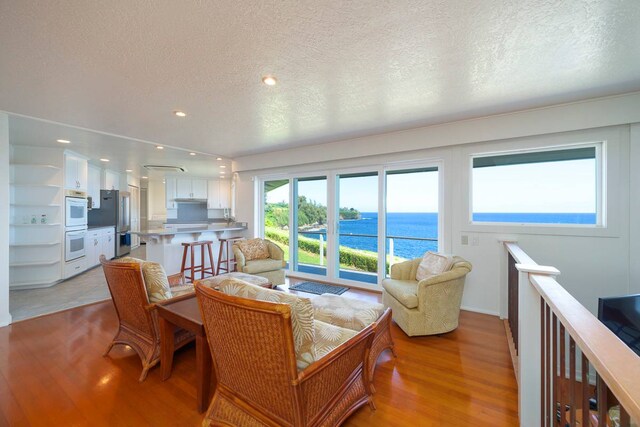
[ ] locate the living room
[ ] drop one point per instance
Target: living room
(328, 93)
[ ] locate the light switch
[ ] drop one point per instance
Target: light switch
(464, 239)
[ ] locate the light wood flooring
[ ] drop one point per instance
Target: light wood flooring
(52, 373)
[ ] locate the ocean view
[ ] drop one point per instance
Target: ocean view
(425, 225)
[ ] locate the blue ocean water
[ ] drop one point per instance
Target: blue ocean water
(425, 225)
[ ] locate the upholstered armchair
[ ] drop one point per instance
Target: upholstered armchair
(260, 257)
(136, 287)
(429, 306)
(275, 364)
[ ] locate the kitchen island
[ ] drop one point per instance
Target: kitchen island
(164, 245)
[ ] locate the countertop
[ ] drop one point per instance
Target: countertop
(218, 227)
(95, 227)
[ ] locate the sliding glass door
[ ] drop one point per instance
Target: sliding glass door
(310, 230)
(275, 213)
(357, 226)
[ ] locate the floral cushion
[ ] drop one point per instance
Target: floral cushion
(155, 278)
(329, 336)
(212, 282)
(433, 264)
(253, 249)
(301, 314)
(346, 312)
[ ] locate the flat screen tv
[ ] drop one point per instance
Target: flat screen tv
(622, 316)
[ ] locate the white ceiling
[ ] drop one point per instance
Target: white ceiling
(345, 69)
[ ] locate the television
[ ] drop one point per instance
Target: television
(622, 316)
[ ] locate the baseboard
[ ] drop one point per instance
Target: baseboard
(481, 311)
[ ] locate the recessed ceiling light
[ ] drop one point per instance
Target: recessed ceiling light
(128, 170)
(222, 166)
(269, 80)
(63, 141)
(180, 113)
(104, 160)
(192, 154)
(160, 147)
(144, 177)
(219, 158)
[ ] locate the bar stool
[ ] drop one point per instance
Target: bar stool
(201, 268)
(223, 255)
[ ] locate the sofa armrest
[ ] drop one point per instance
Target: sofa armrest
(447, 276)
(240, 259)
(405, 270)
(443, 291)
(325, 377)
(275, 251)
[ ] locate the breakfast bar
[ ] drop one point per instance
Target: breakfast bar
(164, 245)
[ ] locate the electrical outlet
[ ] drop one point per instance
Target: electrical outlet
(475, 241)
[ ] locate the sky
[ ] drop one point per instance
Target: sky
(528, 188)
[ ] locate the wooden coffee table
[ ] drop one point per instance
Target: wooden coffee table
(185, 313)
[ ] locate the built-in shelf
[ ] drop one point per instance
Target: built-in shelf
(36, 185)
(27, 205)
(33, 263)
(17, 245)
(54, 224)
(30, 165)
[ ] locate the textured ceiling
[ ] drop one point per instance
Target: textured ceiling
(344, 68)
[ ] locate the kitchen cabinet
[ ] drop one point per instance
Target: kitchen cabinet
(111, 180)
(170, 193)
(218, 194)
(135, 215)
(99, 241)
(75, 172)
(93, 186)
(191, 188)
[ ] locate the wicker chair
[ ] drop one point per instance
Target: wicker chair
(137, 318)
(252, 347)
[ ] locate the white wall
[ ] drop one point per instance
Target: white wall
(634, 211)
(5, 317)
(593, 263)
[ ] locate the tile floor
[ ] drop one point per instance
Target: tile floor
(85, 288)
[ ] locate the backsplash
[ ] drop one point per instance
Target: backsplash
(189, 212)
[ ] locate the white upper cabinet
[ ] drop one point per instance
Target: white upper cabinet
(170, 193)
(199, 188)
(191, 188)
(75, 172)
(218, 194)
(111, 180)
(93, 186)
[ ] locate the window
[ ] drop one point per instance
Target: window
(276, 213)
(537, 187)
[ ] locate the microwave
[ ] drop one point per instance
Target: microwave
(75, 209)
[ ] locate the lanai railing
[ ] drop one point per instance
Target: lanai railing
(565, 356)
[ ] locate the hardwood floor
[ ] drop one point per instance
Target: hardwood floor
(52, 373)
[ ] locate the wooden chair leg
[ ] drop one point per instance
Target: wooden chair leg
(193, 265)
(108, 349)
(213, 268)
(145, 371)
(372, 405)
(202, 262)
(220, 258)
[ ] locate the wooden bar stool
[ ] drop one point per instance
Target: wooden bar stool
(225, 253)
(201, 268)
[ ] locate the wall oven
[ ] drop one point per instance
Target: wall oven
(75, 208)
(74, 244)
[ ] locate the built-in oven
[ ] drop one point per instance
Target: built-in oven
(74, 244)
(75, 208)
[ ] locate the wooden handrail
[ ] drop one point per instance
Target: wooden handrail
(518, 254)
(616, 363)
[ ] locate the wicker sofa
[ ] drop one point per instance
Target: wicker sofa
(270, 266)
(427, 307)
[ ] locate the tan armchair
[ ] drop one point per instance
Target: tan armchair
(135, 303)
(428, 307)
(275, 364)
(271, 268)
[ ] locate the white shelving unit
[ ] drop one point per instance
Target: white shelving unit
(35, 250)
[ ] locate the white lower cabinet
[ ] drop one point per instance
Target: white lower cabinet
(99, 241)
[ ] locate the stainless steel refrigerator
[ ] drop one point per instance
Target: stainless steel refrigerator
(115, 210)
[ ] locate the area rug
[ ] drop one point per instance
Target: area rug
(318, 288)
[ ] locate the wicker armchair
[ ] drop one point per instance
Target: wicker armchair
(137, 317)
(428, 307)
(259, 384)
(271, 268)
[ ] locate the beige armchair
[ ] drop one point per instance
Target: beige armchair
(428, 307)
(271, 268)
